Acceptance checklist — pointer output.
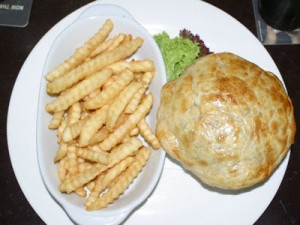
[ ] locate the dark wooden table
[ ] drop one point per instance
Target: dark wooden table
(16, 44)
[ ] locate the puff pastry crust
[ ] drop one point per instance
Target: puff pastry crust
(227, 121)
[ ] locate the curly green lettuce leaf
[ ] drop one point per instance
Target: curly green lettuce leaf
(204, 50)
(178, 53)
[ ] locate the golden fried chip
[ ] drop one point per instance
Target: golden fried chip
(81, 192)
(82, 166)
(134, 132)
(146, 80)
(72, 183)
(136, 66)
(79, 91)
(117, 107)
(73, 131)
(56, 120)
(117, 135)
(103, 181)
(78, 180)
(72, 160)
(123, 181)
(109, 93)
(74, 113)
(92, 66)
(99, 157)
(124, 150)
(148, 135)
(108, 44)
(61, 152)
(61, 129)
(92, 125)
(99, 136)
(62, 169)
(82, 52)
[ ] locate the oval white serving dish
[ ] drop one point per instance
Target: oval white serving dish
(88, 22)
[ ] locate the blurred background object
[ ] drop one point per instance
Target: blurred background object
(280, 14)
(15, 13)
(270, 18)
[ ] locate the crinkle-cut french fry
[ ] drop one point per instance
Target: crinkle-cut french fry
(136, 99)
(73, 131)
(80, 160)
(72, 160)
(117, 42)
(117, 107)
(92, 125)
(90, 185)
(61, 152)
(110, 81)
(135, 66)
(123, 117)
(138, 76)
(146, 80)
(124, 150)
(89, 67)
(127, 38)
(148, 135)
(138, 66)
(81, 192)
(148, 77)
(74, 113)
(143, 155)
(108, 44)
(67, 176)
(61, 126)
(95, 148)
(78, 180)
(94, 193)
(73, 167)
(79, 91)
(62, 169)
(85, 112)
(109, 93)
(82, 166)
(60, 129)
(118, 67)
(56, 120)
(117, 135)
(103, 181)
(123, 181)
(94, 93)
(99, 136)
(99, 157)
(134, 132)
(82, 52)
(125, 139)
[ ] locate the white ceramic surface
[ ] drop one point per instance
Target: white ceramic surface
(178, 198)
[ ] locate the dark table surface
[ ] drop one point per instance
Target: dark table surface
(14, 208)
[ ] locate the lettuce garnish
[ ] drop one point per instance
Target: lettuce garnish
(178, 53)
(181, 51)
(204, 50)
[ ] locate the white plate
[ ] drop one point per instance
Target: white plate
(178, 198)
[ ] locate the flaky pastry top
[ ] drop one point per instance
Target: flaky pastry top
(227, 121)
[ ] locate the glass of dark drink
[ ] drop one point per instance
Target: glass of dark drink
(280, 14)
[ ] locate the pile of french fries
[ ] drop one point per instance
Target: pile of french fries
(101, 101)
